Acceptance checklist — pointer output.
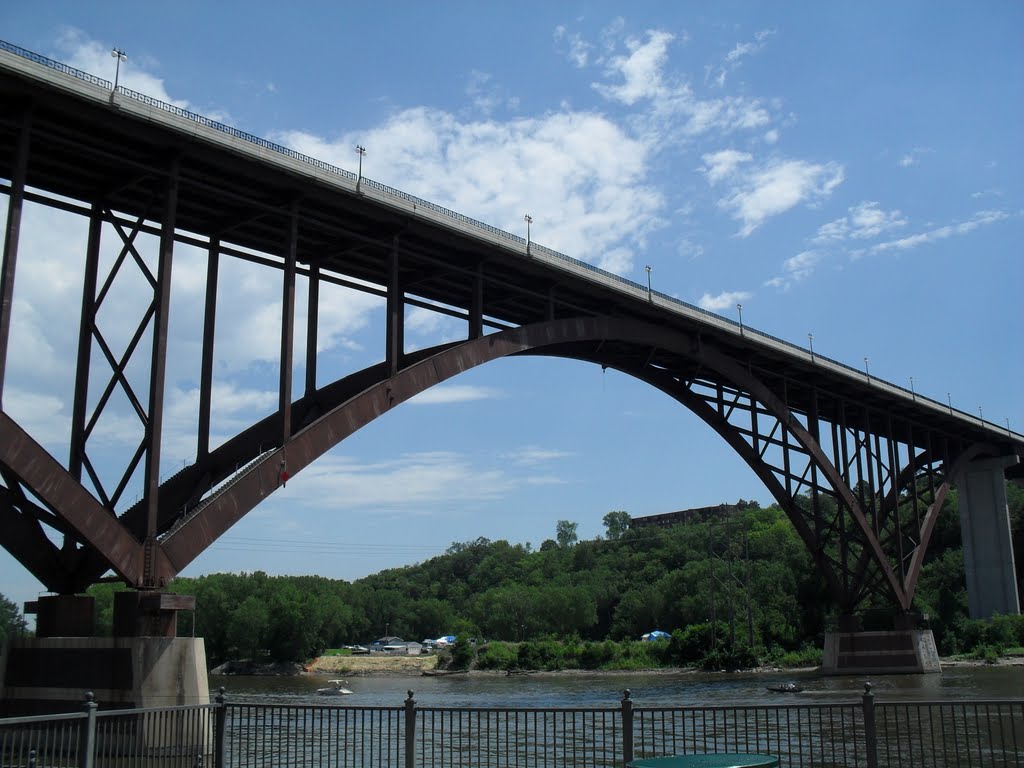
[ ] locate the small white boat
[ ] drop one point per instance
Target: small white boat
(336, 688)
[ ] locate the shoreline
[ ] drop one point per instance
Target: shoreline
(415, 666)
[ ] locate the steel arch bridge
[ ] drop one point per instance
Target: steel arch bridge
(860, 466)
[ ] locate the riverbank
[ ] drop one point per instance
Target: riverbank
(373, 664)
(387, 665)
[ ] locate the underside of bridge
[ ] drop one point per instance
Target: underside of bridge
(861, 469)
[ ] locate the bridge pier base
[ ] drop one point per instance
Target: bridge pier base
(149, 667)
(890, 652)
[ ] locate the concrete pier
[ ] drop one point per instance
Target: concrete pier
(899, 651)
(988, 546)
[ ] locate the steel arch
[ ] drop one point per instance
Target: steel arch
(191, 517)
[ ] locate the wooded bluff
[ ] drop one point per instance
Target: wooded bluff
(741, 586)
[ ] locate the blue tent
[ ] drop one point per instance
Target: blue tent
(656, 635)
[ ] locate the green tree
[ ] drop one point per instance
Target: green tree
(11, 620)
(616, 524)
(565, 533)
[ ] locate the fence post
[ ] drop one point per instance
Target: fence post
(410, 732)
(220, 723)
(870, 737)
(627, 728)
(87, 736)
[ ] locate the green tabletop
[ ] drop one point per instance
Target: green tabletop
(707, 761)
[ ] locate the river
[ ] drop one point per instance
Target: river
(648, 689)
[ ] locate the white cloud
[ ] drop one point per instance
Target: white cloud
(980, 219)
(412, 483)
(453, 393)
(640, 71)
(795, 268)
(776, 187)
(578, 52)
(581, 176)
(723, 164)
(733, 59)
(913, 157)
(724, 300)
(668, 110)
(534, 455)
(862, 222)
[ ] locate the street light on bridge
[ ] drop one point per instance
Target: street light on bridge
(866, 371)
(120, 55)
(913, 394)
(361, 151)
(810, 342)
(529, 220)
(739, 309)
(650, 296)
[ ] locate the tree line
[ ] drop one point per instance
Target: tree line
(743, 585)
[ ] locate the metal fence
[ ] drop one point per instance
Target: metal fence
(987, 734)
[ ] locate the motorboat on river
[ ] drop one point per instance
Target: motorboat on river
(336, 688)
(785, 688)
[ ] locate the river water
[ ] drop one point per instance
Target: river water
(648, 689)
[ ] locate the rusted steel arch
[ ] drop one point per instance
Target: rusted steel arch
(560, 338)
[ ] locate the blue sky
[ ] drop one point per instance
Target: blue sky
(848, 170)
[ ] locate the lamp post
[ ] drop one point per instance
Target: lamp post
(120, 55)
(810, 342)
(650, 295)
(949, 400)
(913, 394)
(529, 220)
(866, 371)
(360, 150)
(739, 309)
(981, 415)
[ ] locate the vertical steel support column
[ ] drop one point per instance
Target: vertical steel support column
(476, 310)
(312, 321)
(814, 427)
(395, 314)
(786, 469)
(158, 368)
(86, 327)
(288, 325)
(15, 203)
(209, 335)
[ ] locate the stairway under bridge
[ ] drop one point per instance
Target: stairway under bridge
(860, 466)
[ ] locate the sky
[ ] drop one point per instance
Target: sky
(851, 171)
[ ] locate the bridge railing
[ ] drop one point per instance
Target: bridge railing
(243, 734)
(495, 233)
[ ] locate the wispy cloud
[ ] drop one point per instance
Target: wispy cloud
(724, 300)
(979, 219)
(717, 74)
(422, 483)
(863, 221)
(913, 157)
(454, 393)
(795, 269)
(577, 50)
(756, 193)
(533, 455)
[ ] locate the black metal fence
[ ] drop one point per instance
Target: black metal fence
(250, 735)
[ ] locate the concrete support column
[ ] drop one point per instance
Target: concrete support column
(988, 547)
